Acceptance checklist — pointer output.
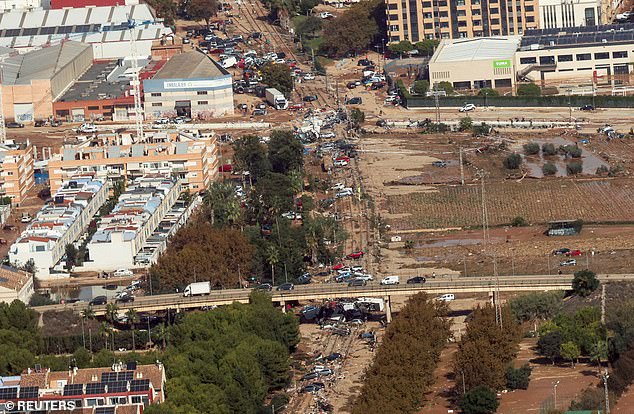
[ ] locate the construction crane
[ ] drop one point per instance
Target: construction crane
(136, 83)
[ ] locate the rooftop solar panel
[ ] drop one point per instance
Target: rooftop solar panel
(96, 388)
(117, 386)
(74, 389)
(8, 393)
(29, 392)
(140, 385)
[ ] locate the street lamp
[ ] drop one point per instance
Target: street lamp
(555, 393)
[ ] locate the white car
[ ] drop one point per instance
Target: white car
(467, 108)
(390, 280)
(363, 276)
(328, 134)
(357, 268)
(326, 15)
(26, 218)
(447, 297)
(344, 193)
(87, 128)
(340, 163)
(122, 273)
(338, 186)
(309, 76)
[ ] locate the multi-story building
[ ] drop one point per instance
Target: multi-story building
(121, 389)
(16, 170)
(15, 285)
(453, 19)
(123, 233)
(192, 159)
(190, 84)
(59, 223)
(556, 14)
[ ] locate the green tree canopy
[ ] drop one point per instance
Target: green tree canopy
(401, 47)
(166, 9)
(585, 282)
(488, 92)
(308, 26)
(250, 155)
(286, 153)
(570, 351)
(351, 31)
(549, 345)
(221, 203)
(426, 47)
(528, 89)
(420, 87)
(512, 162)
(536, 306)
(479, 400)
(202, 9)
(278, 77)
(357, 118)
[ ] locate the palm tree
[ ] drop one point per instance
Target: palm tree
(87, 313)
(160, 332)
(599, 351)
(112, 311)
(133, 318)
(105, 331)
(272, 258)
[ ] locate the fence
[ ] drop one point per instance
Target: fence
(600, 101)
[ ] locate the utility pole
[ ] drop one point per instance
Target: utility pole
(603, 303)
(555, 393)
(136, 83)
(3, 130)
(437, 101)
(607, 394)
(461, 168)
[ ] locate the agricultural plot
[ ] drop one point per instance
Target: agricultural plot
(537, 201)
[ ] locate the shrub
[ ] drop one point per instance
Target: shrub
(585, 282)
(519, 221)
(482, 129)
(409, 244)
(549, 149)
(602, 170)
(444, 86)
(518, 378)
(531, 148)
(529, 89)
(513, 162)
(488, 92)
(574, 167)
(420, 87)
(571, 151)
(549, 169)
(466, 124)
(479, 400)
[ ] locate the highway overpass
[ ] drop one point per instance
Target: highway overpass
(524, 283)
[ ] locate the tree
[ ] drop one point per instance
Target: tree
(571, 151)
(357, 118)
(401, 47)
(488, 92)
(479, 400)
(420, 87)
(427, 46)
(403, 368)
(71, 257)
(224, 206)
(444, 86)
(112, 312)
(536, 306)
(286, 153)
(272, 258)
(528, 89)
(132, 318)
(250, 155)
(306, 6)
(466, 124)
(548, 149)
(570, 350)
(519, 221)
(574, 167)
(202, 9)
(513, 161)
(585, 282)
(351, 31)
(532, 148)
(549, 345)
(166, 9)
(308, 26)
(549, 169)
(273, 195)
(518, 378)
(278, 77)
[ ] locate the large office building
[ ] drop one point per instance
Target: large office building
(190, 84)
(106, 29)
(191, 158)
(455, 19)
(58, 224)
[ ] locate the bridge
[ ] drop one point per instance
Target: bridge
(524, 283)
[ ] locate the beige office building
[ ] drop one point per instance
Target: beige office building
(475, 63)
(454, 19)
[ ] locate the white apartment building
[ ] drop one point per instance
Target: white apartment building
(124, 232)
(568, 13)
(59, 223)
(15, 285)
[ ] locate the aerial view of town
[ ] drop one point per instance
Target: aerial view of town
(317, 206)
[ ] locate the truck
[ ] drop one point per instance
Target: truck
(275, 98)
(197, 289)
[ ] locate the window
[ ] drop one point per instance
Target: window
(93, 108)
(602, 55)
(428, 25)
(442, 4)
(107, 107)
(394, 28)
(530, 19)
(462, 13)
(427, 16)
(428, 3)
(390, 17)
(392, 6)
(460, 2)
(157, 104)
(462, 35)
(201, 93)
(156, 94)
(203, 102)
(584, 69)
(495, 21)
(619, 55)
(476, 13)
(528, 60)
(494, 10)
(9, 172)
(444, 24)
(564, 58)
(462, 24)
(475, 2)
(529, 8)
(444, 14)
(584, 56)
(477, 23)
(546, 60)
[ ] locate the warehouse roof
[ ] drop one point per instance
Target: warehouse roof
(41, 64)
(190, 65)
(483, 48)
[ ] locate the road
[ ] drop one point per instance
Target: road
(340, 290)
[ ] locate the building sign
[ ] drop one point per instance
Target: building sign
(190, 84)
(501, 64)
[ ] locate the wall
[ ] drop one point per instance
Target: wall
(103, 107)
(60, 4)
(566, 13)
(38, 93)
(115, 50)
(601, 101)
(65, 77)
(17, 173)
(470, 71)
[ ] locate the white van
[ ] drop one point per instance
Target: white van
(229, 62)
(447, 297)
(390, 280)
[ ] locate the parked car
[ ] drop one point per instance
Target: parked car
(259, 112)
(326, 15)
(124, 297)
(587, 108)
(561, 251)
(467, 108)
(309, 98)
(309, 76)
(569, 262)
(440, 164)
(325, 371)
(343, 193)
(333, 357)
(355, 255)
(351, 85)
(391, 280)
(98, 300)
(286, 286)
(40, 123)
(573, 253)
(338, 266)
(310, 376)
(416, 280)
(26, 218)
(357, 282)
(14, 125)
(122, 272)
(447, 297)
(354, 101)
(365, 62)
